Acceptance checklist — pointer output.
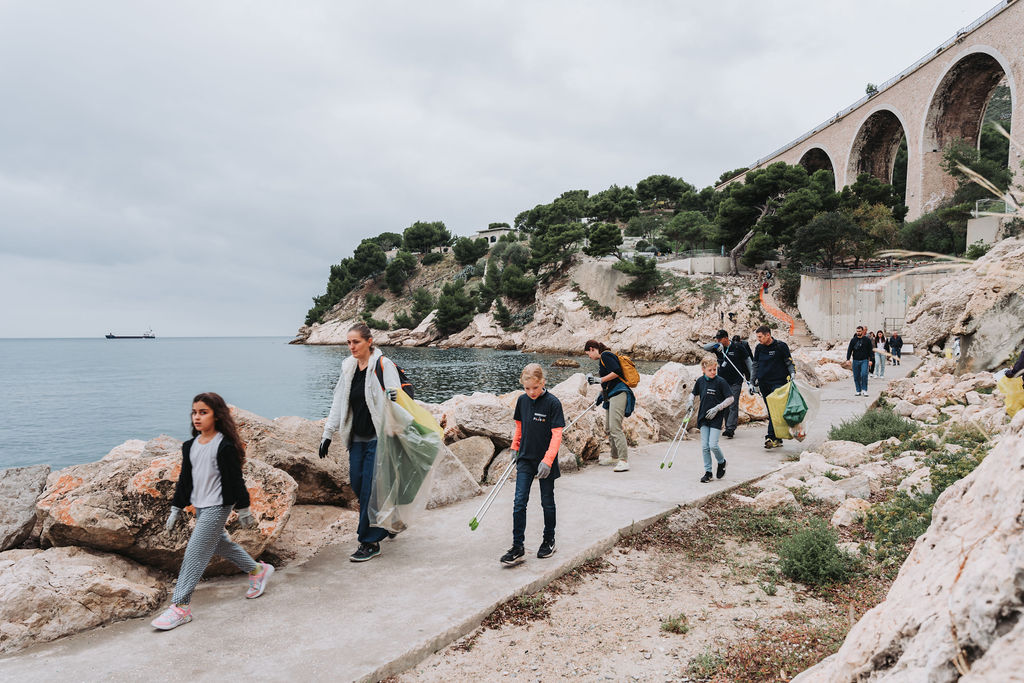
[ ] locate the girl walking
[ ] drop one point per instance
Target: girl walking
(881, 353)
(211, 481)
(538, 434)
(618, 400)
(367, 379)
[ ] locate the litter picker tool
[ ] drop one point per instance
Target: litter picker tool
(486, 505)
(750, 384)
(677, 442)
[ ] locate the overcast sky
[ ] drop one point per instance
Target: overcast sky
(198, 166)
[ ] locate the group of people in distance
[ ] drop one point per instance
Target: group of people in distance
(869, 354)
(211, 475)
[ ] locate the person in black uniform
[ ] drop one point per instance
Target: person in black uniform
(860, 350)
(773, 366)
(735, 366)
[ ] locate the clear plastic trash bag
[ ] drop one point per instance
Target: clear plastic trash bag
(404, 468)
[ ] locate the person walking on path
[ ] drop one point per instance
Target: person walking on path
(773, 366)
(896, 347)
(367, 379)
(860, 351)
(538, 435)
(618, 400)
(881, 353)
(736, 366)
(211, 481)
(715, 396)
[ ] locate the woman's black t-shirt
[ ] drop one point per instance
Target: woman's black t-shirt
(362, 423)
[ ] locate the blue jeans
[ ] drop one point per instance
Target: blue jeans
(526, 470)
(880, 361)
(708, 444)
(860, 375)
(361, 457)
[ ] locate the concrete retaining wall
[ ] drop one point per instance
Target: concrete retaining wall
(833, 307)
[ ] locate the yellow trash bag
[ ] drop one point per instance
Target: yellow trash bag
(1012, 389)
(776, 410)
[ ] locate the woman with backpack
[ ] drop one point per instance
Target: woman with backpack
(617, 397)
(368, 378)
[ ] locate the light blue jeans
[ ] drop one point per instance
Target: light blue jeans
(708, 444)
(880, 361)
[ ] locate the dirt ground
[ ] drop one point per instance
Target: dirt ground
(605, 621)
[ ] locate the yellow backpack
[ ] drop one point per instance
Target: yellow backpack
(629, 373)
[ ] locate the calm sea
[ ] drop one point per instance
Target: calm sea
(69, 401)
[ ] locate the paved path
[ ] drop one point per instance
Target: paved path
(331, 619)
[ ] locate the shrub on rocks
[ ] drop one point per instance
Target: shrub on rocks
(811, 556)
(876, 424)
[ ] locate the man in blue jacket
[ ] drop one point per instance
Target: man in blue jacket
(860, 351)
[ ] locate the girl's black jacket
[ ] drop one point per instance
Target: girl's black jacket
(232, 485)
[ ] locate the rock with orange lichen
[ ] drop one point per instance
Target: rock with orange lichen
(121, 505)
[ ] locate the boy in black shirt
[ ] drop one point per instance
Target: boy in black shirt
(773, 365)
(538, 434)
(715, 395)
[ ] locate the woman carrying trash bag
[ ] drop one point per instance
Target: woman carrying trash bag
(618, 400)
(367, 379)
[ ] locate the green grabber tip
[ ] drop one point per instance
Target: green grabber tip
(662, 465)
(473, 524)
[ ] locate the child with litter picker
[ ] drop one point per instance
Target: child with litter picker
(538, 434)
(715, 396)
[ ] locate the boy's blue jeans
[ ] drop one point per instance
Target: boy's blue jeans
(361, 457)
(708, 444)
(526, 470)
(860, 375)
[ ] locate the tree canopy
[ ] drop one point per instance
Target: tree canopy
(421, 236)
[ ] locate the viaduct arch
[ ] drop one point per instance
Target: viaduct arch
(940, 98)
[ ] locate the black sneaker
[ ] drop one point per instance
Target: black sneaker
(513, 557)
(706, 478)
(547, 549)
(721, 470)
(367, 551)
(729, 433)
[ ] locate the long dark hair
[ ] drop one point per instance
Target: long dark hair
(594, 344)
(223, 422)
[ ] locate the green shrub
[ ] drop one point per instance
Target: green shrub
(501, 314)
(455, 308)
(373, 300)
(403, 320)
(897, 522)
(874, 425)
(376, 324)
(432, 258)
(706, 664)
(676, 625)
(811, 555)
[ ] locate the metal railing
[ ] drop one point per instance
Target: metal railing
(957, 37)
(984, 207)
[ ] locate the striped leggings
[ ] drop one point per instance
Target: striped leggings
(208, 538)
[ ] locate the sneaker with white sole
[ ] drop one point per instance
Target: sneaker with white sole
(547, 549)
(623, 466)
(513, 557)
(173, 617)
(258, 582)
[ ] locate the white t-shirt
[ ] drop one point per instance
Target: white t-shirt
(206, 490)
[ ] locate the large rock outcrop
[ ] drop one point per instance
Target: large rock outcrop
(19, 488)
(46, 594)
(958, 600)
(121, 506)
(291, 444)
(982, 304)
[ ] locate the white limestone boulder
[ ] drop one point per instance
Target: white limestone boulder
(845, 453)
(850, 511)
(19, 489)
(917, 482)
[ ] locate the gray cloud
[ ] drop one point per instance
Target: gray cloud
(198, 166)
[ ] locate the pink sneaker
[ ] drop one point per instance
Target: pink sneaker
(173, 617)
(258, 582)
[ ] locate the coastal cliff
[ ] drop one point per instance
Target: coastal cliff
(669, 324)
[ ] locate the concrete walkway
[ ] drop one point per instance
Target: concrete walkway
(331, 619)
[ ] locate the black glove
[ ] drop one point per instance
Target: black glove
(600, 399)
(592, 380)
(324, 445)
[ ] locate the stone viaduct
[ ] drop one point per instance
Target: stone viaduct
(940, 98)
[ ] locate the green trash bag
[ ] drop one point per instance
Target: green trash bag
(796, 407)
